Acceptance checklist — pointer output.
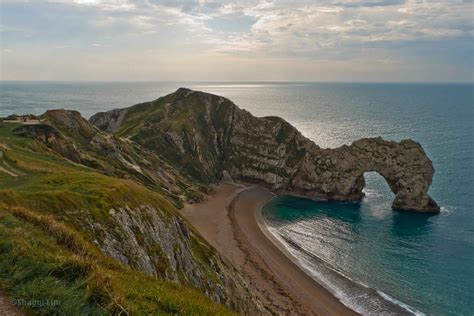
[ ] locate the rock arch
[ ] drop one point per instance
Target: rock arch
(290, 163)
(338, 174)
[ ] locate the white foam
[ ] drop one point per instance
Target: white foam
(371, 193)
(403, 305)
(345, 296)
(447, 210)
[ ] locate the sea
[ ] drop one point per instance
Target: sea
(371, 257)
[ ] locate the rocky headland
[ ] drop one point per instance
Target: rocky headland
(208, 138)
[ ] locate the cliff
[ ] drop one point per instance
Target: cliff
(207, 138)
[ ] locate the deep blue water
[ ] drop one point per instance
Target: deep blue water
(367, 254)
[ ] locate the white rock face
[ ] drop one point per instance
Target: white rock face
(110, 120)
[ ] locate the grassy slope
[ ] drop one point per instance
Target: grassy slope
(147, 124)
(44, 255)
(101, 160)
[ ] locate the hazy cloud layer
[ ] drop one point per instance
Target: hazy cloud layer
(363, 40)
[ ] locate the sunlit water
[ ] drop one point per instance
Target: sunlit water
(368, 255)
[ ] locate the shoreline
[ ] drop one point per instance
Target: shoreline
(231, 220)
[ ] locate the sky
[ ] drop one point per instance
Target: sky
(244, 40)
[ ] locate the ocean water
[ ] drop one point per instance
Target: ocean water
(372, 258)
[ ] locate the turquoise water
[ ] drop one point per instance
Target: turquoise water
(368, 255)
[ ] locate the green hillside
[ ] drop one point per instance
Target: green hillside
(47, 250)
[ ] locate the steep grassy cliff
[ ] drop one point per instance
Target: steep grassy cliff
(89, 222)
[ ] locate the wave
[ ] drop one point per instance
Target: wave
(355, 294)
(403, 305)
(447, 210)
(372, 193)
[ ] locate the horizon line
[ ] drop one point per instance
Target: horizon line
(240, 81)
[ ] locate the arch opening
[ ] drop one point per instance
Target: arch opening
(378, 195)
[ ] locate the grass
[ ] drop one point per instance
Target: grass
(149, 123)
(45, 253)
(53, 184)
(35, 266)
(118, 157)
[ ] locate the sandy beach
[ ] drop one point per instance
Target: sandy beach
(231, 221)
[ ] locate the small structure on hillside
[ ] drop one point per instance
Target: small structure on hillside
(28, 119)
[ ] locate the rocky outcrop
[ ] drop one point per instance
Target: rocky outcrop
(208, 137)
(109, 121)
(51, 137)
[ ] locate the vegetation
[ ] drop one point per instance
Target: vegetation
(50, 265)
(75, 279)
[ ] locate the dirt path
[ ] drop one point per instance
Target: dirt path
(6, 307)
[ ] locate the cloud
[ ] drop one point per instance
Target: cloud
(389, 31)
(140, 24)
(369, 3)
(282, 29)
(109, 5)
(279, 28)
